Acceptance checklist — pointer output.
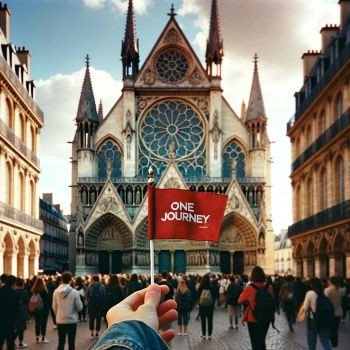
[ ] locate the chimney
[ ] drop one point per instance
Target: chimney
(327, 34)
(344, 12)
(47, 197)
(309, 59)
(5, 20)
(24, 57)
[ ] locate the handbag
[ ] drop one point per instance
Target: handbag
(301, 314)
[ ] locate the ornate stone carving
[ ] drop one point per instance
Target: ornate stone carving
(141, 103)
(172, 37)
(215, 133)
(109, 234)
(108, 204)
(128, 132)
(172, 183)
(149, 77)
(231, 236)
(195, 78)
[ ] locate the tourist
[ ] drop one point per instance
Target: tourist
(206, 306)
(257, 326)
(134, 285)
(3, 278)
(311, 303)
(287, 298)
(51, 285)
(22, 315)
(114, 293)
(277, 284)
(96, 296)
(66, 304)
(184, 301)
(9, 306)
(223, 283)
(40, 309)
(80, 287)
(334, 293)
(233, 292)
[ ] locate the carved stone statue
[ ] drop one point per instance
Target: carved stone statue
(128, 131)
(108, 204)
(216, 132)
(109, 168)
(149, 77)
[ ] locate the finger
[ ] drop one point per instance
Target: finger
(133, 301)
(152, 296)
(167, 335)
(164, 288)
(168, 317)
(166, 306)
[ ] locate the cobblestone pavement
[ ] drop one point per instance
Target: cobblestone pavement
(222, 338)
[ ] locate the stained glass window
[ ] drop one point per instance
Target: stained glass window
(172, 66)
(109, 152)
(233, 151)
(172, 129)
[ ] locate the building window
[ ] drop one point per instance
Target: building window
(8, 114)
(298, 204)
(308, 136)
(309, 197)
(172, 130)
(21, 192)
(323, 189)
(109, 155)
(233, 151)
(339, 180)
(322, 122)
(338, 107)
(8, 183)
(32, 198)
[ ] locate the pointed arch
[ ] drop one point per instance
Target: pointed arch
(233, 151)
(21, 257)
(109, 154)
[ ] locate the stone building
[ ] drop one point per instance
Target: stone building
(283, 254)
(173, 117)
(20, 123)
(54, 241)
(319, 134)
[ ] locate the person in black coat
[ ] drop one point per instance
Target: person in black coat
(114, 293)
(22, 315)
(134, 285)
(9, 306)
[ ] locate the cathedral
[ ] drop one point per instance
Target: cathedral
(171, 116)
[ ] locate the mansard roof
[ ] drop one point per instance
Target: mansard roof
(87, 107)
(256, 108)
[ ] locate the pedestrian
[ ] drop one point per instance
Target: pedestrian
(9, 307)
(114, 293)
(3, 278)
(80, 287)
(39, 305)
(223, 283)
(232, 294)
(184, 301)
(318, 318)
(51, 285)
(277, 284)
(260, 308)
(96, 296)
(334, 294)
(206, 306)
(22, 315)
(66, 304)
(287, 298)
(134, 285)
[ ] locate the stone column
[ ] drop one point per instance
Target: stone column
(305, 270)
(347, 264)
(172, 260)
(14, 263)
(318, 266)
(331, 265)
(25, 266)
(2, 261)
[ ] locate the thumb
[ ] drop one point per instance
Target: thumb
(152, 297)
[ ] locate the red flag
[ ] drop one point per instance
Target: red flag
(182, 214)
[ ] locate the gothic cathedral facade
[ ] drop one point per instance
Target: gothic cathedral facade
(171, 116)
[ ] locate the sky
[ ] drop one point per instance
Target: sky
(59, 33)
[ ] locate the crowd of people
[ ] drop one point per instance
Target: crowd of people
(322, 304)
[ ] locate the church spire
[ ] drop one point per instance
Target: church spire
(100, 110)
(256, 108)
(130, 45)
(87, 107)
(215, 46)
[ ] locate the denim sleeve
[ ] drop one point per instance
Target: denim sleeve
(130, 335)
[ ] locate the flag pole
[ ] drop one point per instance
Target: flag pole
(151, 242)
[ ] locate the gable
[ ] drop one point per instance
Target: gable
(172, 38)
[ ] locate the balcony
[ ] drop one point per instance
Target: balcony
(18, 144)
(19, 216)
(23, 93)
(328, 75)
(335, 129)
(325, 217)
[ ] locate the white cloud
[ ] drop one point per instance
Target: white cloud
(140, 6)
(279, 31)
(58, 96)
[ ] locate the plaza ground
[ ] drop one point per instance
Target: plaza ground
(222, 338)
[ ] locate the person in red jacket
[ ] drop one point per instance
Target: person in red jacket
(257, 330)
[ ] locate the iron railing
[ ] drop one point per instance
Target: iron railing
(325, 217)
(18, 215)
(335, 129)
(18, 144)
(329, 73)
(23, 93)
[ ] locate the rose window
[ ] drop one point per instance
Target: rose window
(171, 66)
(172, 129)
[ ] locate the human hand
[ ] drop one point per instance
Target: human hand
(144, 306)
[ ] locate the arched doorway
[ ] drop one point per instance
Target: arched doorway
(31, 258)
(339, 256)
(310, 266)
(323, 259)
(107, 239)
(299, 271)
(21, 258)
(8, 254)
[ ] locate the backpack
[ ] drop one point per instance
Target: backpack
(233, 292)
(289, 296)
(324, 314)
(264, 310)
(206, 299)
(97, 296)
(36, 303)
